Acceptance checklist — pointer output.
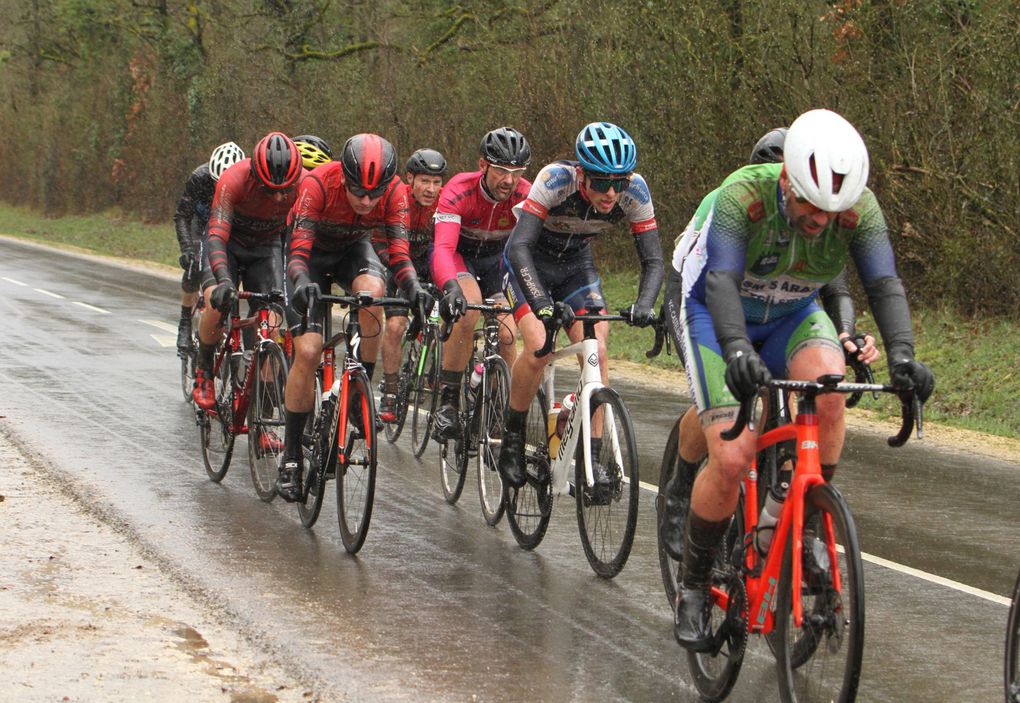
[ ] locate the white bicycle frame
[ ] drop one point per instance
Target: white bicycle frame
(561, 465)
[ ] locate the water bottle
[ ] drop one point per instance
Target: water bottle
(769, 517)
(565, 407)
(476, 375)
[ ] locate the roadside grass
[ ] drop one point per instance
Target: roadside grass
(976, 362)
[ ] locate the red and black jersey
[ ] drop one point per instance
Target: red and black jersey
(245, 212)
(324, 219)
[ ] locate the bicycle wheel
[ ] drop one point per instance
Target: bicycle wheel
(426, 391)
(453, 456)
(315, 454)
(668, 566)
(821, 660)
(1013, 648)
(529, 507)
(408, 365)
(607, 512)
(491, 421)
(266, 418)
(215, 427)
(715, 672)
(355, 471)
(188, 359)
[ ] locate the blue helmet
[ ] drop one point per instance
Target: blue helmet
(605, 148)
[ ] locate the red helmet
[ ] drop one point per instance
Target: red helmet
(276, 162)
(369, 163)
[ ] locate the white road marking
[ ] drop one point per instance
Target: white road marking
(165, 341)
(58, 296)
(909, 570)
(92, 307)
(17, 283)
(159, 324)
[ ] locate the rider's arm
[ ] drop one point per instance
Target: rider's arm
(306, 213)
(873, 254)
(839, 305)
(726, 243)
(221, 220)
(517, 254)
(398, 247)
(649, 250)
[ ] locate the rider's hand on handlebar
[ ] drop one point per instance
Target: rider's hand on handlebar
(910, 374)
(304, 291)
(421, 300)
(556, 316)
(745, 372)
(223, 296)
(861, 347)
(453, 304)
(641, 315)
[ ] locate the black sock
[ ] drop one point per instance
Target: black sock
(450, 378)
(186, 313)
(294, 428)
(369, 369)
(390, 382)
(205, 356)
(828, 471)
(515, 419)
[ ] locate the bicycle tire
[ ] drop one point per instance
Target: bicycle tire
(607, 513)
(266, 418)
(668, 566)
(529, 507)
(315, 453)
(355, 473)
(491, 421)
(821, 660)
(215, 428)
(715, 672)
(453, 456)
(1012, 668)
(408, 363)
(426, 393)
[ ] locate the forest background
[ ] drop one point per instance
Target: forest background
(110, 105)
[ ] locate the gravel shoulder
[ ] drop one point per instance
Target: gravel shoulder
(85, 615)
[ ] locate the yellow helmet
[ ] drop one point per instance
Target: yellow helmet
(314, 151)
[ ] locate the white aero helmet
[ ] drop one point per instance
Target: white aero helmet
(223, 157)
(819, 146)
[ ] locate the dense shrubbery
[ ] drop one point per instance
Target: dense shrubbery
(113, 103)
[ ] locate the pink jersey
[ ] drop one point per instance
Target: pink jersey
(470, 223)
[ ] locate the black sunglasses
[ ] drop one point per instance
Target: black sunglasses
(360, 192)
(602, 185)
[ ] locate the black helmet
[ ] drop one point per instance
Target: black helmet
(769, 149)
(318, 142)
(369, 163)
(505, 147)
(428, 162)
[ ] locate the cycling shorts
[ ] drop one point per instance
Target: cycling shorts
(776, 341)
(258, 269)
(340, 267)
(485, 269)
(573, 281)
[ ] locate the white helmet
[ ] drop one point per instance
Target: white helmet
(223, 157)
(827, 142)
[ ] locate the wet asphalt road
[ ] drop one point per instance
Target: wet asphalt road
(438, 605)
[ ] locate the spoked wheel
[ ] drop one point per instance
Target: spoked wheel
(408, 365)
(426, 392)
(1013, 648)
(315, 452)
(355, 471)
(607, 509)
(491, 421)
(715, 672)
(821, 659)
(453, 455)
(670, 465)
(266, 419)
(188, 358)
(215, 433)
(529, 507)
